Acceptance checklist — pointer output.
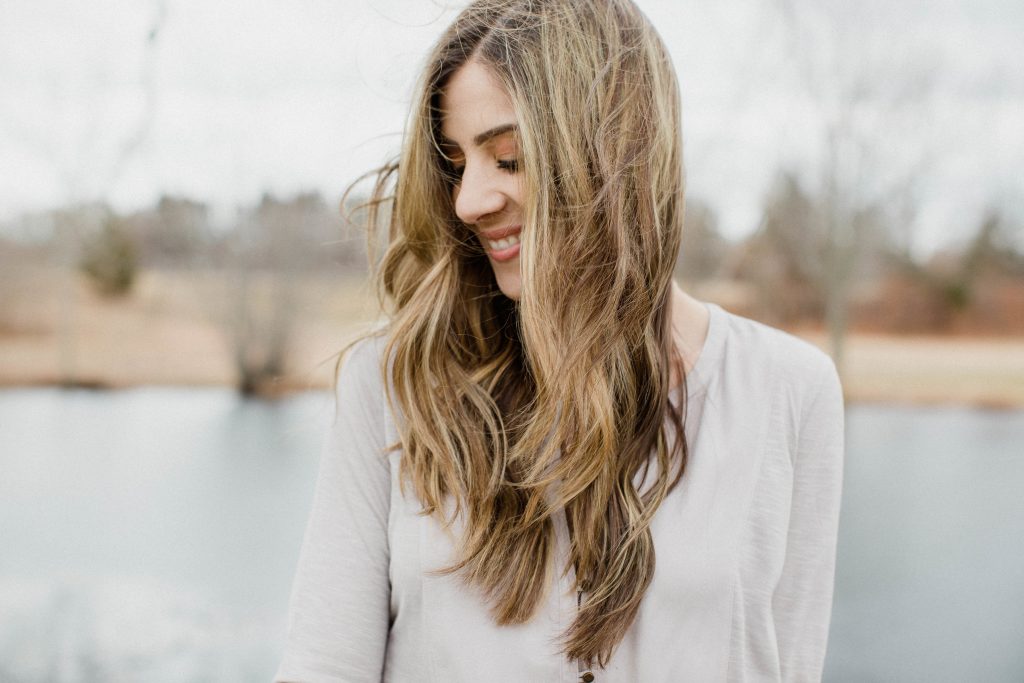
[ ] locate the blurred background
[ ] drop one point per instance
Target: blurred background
(175, 275)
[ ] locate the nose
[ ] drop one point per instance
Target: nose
(478, 195)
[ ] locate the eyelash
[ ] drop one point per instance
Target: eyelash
(507, 165)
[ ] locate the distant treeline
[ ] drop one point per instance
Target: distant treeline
(784, 272)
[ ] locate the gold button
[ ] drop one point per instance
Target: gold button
(587, 677)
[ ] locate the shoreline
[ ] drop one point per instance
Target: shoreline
(985, 373)
(177, 329)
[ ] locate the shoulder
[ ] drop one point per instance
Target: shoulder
(361, 361)
(789, 365)
(359, 426)
(360, 373)
(793, 359)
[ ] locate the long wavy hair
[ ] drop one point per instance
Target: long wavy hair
(515, 410)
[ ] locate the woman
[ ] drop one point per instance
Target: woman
(504, 493)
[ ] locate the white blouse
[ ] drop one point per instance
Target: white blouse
(745, 544)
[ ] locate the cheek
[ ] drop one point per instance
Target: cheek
(517, 190)
(455, 202)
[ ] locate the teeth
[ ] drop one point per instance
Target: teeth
(504, 243)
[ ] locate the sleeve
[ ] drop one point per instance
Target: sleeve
(802, 602)
(339, 610)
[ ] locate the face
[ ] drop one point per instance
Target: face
(479, 137)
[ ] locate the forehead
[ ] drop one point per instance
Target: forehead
(473, 101)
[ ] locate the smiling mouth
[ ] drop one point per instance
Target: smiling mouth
(502, 245)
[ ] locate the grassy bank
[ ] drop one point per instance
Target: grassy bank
(177, 328)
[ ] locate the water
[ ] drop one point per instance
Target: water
(930, 573)
(151, 535)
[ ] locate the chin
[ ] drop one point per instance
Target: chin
(511, 285)
(512, 292)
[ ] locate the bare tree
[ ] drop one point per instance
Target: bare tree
(703, 248)
(175, 233)
(271, 249)
(79, 169)
(867, 97)
(110, 258)
(783, 257)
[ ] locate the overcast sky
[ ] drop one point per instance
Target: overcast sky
(238, 97)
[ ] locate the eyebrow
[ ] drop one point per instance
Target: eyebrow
(486, 136)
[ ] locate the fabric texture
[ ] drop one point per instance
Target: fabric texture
(745, 544)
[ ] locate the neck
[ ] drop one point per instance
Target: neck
(689, 321)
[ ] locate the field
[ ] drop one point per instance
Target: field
(178, 327)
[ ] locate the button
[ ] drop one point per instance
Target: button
(587, 677)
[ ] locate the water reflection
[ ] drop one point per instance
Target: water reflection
(151, 535)
(930, 579)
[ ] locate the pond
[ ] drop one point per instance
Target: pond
(151, 535)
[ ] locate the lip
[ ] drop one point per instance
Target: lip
(501, 255)
(500, 233)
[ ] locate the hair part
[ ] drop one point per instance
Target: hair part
(517, 410)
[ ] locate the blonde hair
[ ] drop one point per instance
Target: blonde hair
(514, 411)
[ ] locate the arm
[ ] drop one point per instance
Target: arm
(802, 602)
(338, 617)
